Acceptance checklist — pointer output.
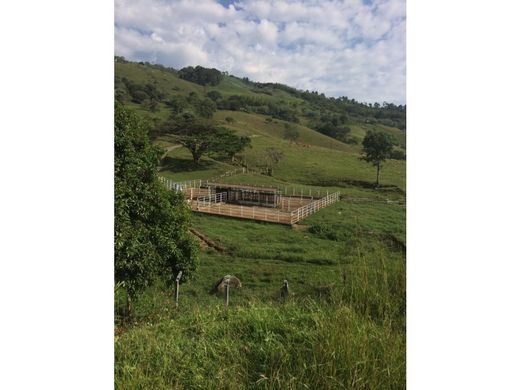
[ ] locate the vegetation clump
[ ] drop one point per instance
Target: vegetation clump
(201, 75)
(151, 235)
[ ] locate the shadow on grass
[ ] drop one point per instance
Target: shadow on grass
(358, 183)
(175, 164)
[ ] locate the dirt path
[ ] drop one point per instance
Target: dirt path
(169, 149)
(205, 241)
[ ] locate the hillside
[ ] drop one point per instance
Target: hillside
(344, 325)
(316, 158)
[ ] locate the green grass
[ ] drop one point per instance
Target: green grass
(316, 160)
(344, 326)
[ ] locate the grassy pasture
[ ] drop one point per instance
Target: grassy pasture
(344, 326)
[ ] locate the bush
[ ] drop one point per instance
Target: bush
(326, 231)
(397, 154)
(139, 96)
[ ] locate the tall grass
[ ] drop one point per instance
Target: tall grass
(349, 334)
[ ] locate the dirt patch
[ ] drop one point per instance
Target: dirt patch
(206, 242)
(302, 228)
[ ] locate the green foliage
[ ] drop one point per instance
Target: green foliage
(200, 75)
(228, 144)
(377, 147)
(397, 154)
(291, 133)
(214, 95)
(202, 137)
(325, 231)
(151, 224)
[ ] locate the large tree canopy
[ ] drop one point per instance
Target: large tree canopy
(151, 235)
(201, 137)
(201, 75)
(377, 147)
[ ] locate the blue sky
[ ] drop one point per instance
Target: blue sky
(341, 48)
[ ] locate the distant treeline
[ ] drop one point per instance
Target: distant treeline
(327, 115)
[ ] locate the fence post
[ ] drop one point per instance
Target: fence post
(226, 283)
(177, 280)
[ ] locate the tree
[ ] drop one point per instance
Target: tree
(291, 133)
(200, 75)
(377, 147)
(214, 95)
(178, 104)
(228, 144)
(272, 157)
(151, 236)
(201, 137)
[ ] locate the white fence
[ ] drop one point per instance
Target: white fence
(181, 186)
(184, 185)
(205, 201)
(311, 208)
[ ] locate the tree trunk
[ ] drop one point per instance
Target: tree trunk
(377, 177)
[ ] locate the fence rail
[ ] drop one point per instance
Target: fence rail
(205, 201)
(185, 185)
(312, 207)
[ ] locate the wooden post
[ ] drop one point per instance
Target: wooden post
(226, 283)
(284, 294)
(177, 280)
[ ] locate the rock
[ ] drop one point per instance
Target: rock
(220, 287)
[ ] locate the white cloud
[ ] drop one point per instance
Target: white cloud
(337, 47)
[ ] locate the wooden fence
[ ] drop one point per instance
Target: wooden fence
(215, 204)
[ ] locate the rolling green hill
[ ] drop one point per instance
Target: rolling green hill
(344, 325)
(316, 159)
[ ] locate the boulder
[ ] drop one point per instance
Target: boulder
(220, 287)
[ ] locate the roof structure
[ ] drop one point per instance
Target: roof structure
(239, 187)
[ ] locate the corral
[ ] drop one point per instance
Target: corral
(268, 204)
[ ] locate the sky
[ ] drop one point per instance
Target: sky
(353, 48)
